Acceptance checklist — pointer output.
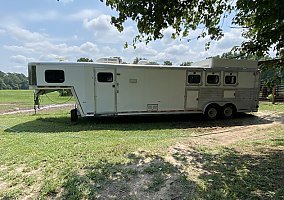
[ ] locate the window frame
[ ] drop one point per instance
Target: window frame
(54, 79)
(99, 79)
(213, 74)
(235, 74)
(194, 73)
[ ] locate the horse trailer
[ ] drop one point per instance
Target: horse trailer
(215, 87)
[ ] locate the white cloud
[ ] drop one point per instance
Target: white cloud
(179, 49)
(142, 50)
(230, 39)
(104, 32)
(25, 35)
(52, 57)
(19, 49)
(99, 24)
(167, 39)
(83, 14)
(40, 16)
(46, 50)
(20, 59)
(89, 47)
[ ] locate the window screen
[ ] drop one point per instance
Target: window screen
(54, 76)
(105, 77)
(193, 79)
(230, 80)
(212, 79)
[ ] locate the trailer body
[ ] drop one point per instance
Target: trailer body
(213, 87)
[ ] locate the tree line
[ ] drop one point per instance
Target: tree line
(13, 81)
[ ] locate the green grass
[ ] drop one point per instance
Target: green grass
(23, 99)
(45, 156)
(268, 106)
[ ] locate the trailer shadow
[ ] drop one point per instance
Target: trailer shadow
(144, 177)
(134, 123)
(233, 174)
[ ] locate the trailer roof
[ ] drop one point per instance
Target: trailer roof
(209, 63)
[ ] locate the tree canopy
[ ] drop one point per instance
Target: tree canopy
(262, 21)
(84, 60)
(13, 81)
(187, 63)
(168, 62)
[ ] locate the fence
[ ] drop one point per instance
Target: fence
(265, 92)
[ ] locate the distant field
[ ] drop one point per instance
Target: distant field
(45, 156)
(23, 99)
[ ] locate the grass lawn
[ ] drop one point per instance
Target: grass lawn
(23, 99)
(44, 156)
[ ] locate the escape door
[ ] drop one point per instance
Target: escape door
(192, 99)
(105, 91)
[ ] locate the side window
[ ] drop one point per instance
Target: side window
(105, 77)
(54, 76)
(230, 80)
(193, 79)
(212, 79)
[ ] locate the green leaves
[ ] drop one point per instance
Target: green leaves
(152, 17)
(264, 23)
(262, 20)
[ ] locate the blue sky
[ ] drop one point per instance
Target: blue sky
(48, 30)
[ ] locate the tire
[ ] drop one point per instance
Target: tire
(74, 115)
(228, 111)
(212, 112)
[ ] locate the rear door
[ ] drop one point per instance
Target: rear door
(105, 91)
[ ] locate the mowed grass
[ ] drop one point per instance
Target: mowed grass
(11, 100)
(45, 156)
(268, 106)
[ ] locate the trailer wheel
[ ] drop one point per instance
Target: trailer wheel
(212, 112)
(74, 115)
(228, 111)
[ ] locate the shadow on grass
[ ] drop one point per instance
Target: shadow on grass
(133, 123)
(144, 177)
(234, 175)
(228, 174)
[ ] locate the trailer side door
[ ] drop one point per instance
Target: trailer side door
(105, 91)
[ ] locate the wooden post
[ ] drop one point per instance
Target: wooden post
(273, 94)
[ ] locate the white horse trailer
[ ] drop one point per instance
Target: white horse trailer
(214, 87)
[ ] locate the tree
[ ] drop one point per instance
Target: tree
(261, 21)
(272, 74)
(2, 84)
(188, 63)
(2, 74)
(84, 60)
(167, 62)
(13, 81)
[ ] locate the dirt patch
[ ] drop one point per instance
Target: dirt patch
(225, 136)
(184, 154)
(3, 185)
(29, 185)
(146, 177)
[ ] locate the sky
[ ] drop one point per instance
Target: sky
(51, 30)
